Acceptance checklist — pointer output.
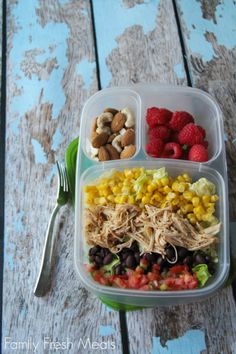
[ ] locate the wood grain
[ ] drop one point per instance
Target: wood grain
(152, 56)
(46, 92)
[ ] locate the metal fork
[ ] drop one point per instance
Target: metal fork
(44, 279)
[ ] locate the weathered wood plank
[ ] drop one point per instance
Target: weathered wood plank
(51, 72)
(129, 53)
(135, 42)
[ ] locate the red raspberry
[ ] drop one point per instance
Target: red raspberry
(158, 116)
(180, 119)
(172, 151)
(191, 135)
(198, 153)
(159, 131)
(155, 148)
(202, 131)
(205, 144)
(174, 136)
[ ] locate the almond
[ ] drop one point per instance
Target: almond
(111, 138)
(114, 155)
(128, 138)
(118, 122)
(100, 140)
(111, 110)
(103, 154)
(128, 152)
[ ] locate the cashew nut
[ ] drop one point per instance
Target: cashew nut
(105, 117)
(129, 117)
(104, 129)
(116, 142)
(122, 131)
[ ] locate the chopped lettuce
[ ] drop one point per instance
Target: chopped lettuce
(145, 177)
(109, 268)
(139, 183)
(202, 273)
(203, 187)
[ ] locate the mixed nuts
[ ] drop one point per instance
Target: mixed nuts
(113, 135)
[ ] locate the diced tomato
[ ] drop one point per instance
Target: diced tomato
(156, 268)
(145, 287)
(120, 283)
(178, 269)
(153, 276)
(134, 281)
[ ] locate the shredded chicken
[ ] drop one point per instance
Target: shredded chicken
(153, 228)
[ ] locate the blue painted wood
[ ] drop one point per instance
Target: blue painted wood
(222, 24)
(112, 18)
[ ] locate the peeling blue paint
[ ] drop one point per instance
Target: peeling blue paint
(193, 342)
(106, 330)
(56, 140)
(52, 34)
(179, 71)
(52, 173)
(111, 20)
(14, 126)
(39, 154)
(224, 30)
(86, 70)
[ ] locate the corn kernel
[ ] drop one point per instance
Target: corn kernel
(165, 181)
(151, 187)
(145, 200)
(187, 178)
(156, 197)
(116, 190)
(180, 178)
(175, 201)
(206, 217)
(100, 201)
(175, 186)
(166, 189)
(131, 199)
(214, 198)
(199, 210)
(139, 196)
(211, 209)
(188, 195)
(206, 199)
(111, 198)
(170, 196)
(195, 201)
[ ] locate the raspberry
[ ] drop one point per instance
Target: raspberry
(158, 116)
(205, 144)
(159, 131)
(172, 151)
(198, 153)
(191, 135)
(180, 119)
(174, 136)
(202, 131)
(155, 148)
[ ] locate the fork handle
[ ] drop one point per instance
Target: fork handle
(44, 279)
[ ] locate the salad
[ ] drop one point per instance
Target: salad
(147, 230)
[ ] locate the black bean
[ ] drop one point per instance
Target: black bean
(187, 260)
(94, 250)
(108, 258)
(131, 262)
(134, 247)
(137, 257)
(92, 258)
(182, 252)
(126, 254)
(208, 259)
(118, 269)
(98, 260)
(170, 253)
(160, 261)
(199, 259)
(150, 257)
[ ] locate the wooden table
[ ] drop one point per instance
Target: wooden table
(60, 52)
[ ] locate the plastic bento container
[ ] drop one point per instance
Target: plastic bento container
(200, 105)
